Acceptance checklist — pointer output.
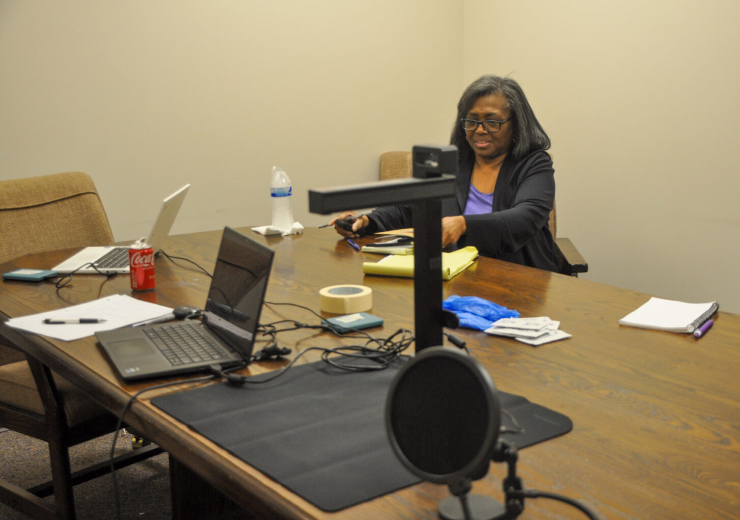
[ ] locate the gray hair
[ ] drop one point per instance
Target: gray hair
(529, 136)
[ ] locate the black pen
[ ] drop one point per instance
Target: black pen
(351, 218)
(69, 321)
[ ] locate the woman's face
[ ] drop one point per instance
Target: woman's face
(485, 144)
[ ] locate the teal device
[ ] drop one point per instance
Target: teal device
(350, 322)
(29, 275)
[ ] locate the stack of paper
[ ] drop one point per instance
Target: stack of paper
(389, 250)
(403, 265)
(533, 331)
(406, 232)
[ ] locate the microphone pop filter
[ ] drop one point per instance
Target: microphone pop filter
(443, 416)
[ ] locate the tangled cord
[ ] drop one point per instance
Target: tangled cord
(63, 281)
(382, 355)
(388, 350)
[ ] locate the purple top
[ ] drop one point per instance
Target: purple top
(478, 203)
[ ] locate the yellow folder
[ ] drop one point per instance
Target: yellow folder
(403, 265)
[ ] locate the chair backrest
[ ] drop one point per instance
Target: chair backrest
(395, 165)
(398, 165)
(50, 212)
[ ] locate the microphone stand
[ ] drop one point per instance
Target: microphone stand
(462, 506)
(513, 486)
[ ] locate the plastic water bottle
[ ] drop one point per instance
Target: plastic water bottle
(281, 192)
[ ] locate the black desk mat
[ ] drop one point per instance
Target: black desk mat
(320, 431)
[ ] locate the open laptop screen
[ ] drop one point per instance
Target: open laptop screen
(239, 281)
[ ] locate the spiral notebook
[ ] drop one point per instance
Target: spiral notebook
(670, 315)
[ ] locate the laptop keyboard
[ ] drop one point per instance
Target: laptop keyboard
(116, 258)
(186, 343)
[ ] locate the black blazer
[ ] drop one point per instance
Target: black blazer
(516, 230)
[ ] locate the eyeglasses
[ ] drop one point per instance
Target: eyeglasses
(491, 125)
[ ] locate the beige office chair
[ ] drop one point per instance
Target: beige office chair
(42, 214)
(398, 165)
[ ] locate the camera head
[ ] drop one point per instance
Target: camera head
(433, 161)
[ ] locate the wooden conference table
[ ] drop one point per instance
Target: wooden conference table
(656, 415)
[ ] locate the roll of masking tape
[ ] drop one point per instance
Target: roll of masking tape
(346, 299)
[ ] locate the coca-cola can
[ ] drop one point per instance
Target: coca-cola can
(141, 263)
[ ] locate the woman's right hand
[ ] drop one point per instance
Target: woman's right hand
(358, 224)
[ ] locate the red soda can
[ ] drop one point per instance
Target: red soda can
(141, 263)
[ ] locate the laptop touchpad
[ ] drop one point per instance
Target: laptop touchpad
(130, 348)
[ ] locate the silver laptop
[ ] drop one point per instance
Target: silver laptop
(224, 337)
(114, 259)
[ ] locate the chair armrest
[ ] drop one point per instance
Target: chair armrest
(574, 261)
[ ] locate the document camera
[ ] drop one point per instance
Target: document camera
(433, 161)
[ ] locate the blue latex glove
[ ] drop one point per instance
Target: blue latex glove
(473, 321)
(477, 313)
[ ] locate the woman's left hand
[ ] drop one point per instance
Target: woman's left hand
(452, 229)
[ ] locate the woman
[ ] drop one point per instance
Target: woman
(505, 181)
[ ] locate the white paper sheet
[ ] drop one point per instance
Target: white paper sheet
(118, 310)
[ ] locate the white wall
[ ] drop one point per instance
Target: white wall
(641, 102)
(639, 98)
(148, 95)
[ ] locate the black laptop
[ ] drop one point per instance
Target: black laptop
(223, 337)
